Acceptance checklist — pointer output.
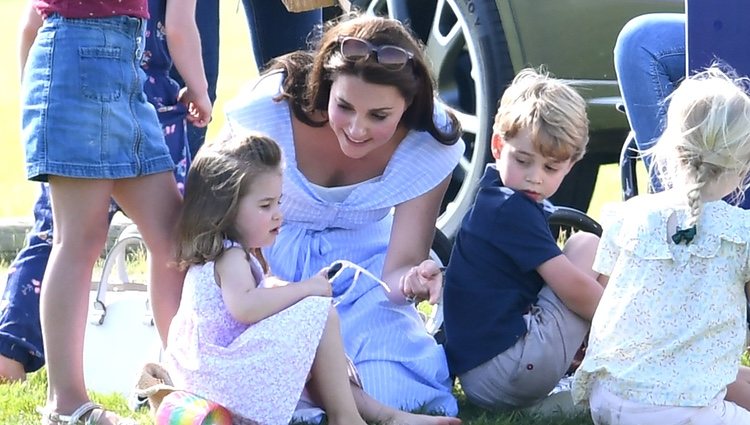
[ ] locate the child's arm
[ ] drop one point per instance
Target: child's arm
(184, 46)
(250, 304)
(28, 27)
(578, 290)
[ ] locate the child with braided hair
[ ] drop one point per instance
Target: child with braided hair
(667, 337)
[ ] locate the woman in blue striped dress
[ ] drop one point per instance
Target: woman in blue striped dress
(369, 155)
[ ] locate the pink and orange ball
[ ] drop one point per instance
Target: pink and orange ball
(184, 408)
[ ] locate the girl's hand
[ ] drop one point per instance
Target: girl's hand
(423, 282)
(319, 284)
(199, 106)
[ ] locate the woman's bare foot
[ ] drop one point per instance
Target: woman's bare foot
(11, 371)
(406, 418)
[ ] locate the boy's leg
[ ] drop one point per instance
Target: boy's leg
(739, 391)
(580, 249)
(525, 373)
(21, 348)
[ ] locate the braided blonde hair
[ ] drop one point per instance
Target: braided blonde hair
(707, 135)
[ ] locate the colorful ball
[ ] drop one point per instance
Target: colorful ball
(184, 408)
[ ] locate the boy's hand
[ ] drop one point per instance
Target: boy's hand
(319, 284)
(423, 282)
(198, 105)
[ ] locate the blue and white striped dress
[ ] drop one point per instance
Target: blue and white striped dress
(399, 363)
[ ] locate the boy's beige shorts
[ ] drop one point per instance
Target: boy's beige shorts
(525, 373)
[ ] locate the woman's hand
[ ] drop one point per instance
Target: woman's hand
(319, 284)
(423, 282)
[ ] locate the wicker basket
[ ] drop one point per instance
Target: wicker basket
(305, 5)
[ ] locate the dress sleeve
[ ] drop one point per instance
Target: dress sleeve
(252, 108)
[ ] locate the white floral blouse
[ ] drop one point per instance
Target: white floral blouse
(671, 324)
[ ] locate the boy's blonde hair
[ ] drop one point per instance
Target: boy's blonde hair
(707, 135)
(223, 171)
(552, 111)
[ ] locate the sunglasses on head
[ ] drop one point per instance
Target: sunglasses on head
(392, 57)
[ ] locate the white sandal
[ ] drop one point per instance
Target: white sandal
(96, 411)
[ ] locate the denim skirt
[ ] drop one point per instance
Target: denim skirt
(84, 113)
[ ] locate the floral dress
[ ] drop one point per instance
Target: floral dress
(256, 371)
(670, 327)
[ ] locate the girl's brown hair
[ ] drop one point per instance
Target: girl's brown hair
(309, 74)
(221, 173)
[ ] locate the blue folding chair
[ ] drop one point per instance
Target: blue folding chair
(716, 31)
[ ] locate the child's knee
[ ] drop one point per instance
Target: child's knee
(581, 244)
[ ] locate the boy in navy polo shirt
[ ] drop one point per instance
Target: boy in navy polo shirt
(517, 306)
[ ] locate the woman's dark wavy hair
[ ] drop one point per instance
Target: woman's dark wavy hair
(309, 74)
(223, 171)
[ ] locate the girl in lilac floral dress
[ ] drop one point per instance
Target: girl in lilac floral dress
(242, 340)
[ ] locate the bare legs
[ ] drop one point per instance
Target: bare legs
(11, 370)
(79, 210)
(344, 402)
(153, 203)
(376, 412)
(738, 391)
(329, 383)
(581, 250)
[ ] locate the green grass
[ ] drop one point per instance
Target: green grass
(18, 401)
(18, 404)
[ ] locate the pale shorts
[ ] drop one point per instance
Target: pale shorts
(84, 113)
(609, 409)
(525, 373)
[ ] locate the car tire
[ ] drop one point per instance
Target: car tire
(465, 43)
